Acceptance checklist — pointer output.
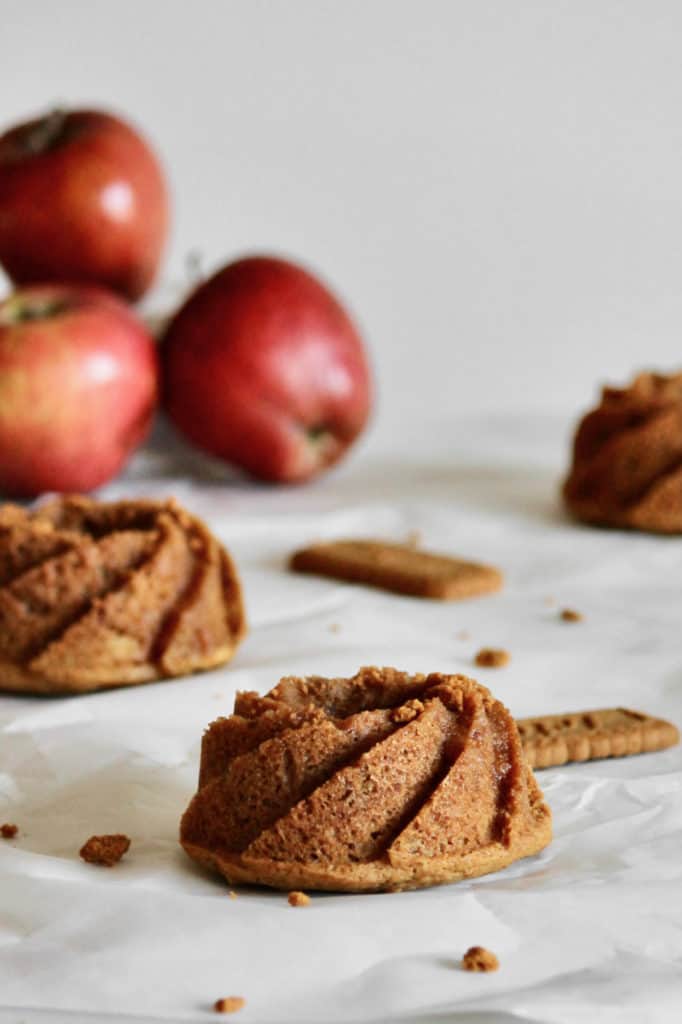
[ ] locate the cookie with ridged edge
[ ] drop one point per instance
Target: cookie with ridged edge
(384, 781)
(550, 740)
(97, 594)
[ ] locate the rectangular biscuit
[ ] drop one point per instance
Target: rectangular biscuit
(550, 740)
(397, 567)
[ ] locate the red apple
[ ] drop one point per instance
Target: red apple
(82, 199)
(78, 387)
(263, 367)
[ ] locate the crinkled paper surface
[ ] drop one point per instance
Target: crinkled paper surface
(591, 929)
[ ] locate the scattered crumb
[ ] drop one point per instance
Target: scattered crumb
(479, 959)
(334, 627)
(232, 894)
(413, 539)
(105, 850)
(550, 601)
(570, 615)
(464, 635)
(8, 831)
(492, 657)
(229, 1004)
(298, 899)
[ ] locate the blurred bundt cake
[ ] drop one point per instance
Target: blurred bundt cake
(95, 595)
(380, 782)
(627, 458)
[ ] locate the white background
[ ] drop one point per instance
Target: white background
(494, 187)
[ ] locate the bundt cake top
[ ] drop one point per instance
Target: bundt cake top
(627, 457)
(101, 594)
(385, 780)
(646, 389)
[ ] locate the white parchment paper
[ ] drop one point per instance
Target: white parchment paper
(589, 930)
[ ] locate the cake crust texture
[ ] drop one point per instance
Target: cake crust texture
(627, 458)
(384, 781)
(97, 594)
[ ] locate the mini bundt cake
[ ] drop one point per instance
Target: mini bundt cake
(627, 458)
(380, 782)
(95, 595)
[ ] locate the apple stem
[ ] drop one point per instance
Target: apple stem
(317, 434)
(45, 132)
(19, 310)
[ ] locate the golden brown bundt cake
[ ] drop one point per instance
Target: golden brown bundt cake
(380, 782)
(627, 458)
(95, 595)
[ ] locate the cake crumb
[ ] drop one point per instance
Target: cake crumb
(105, 850)
(334, 627)
(479, 959)
(570, 615)
(407, 711)
(298, 899)
(413, 539)
(464, 634)
(232, 894)
(492, 657)
(550, 601)
(229, 1004)
(8, 831)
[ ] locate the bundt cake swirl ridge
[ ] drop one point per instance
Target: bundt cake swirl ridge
(422, 780)
(95, 595)
(627, 458)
